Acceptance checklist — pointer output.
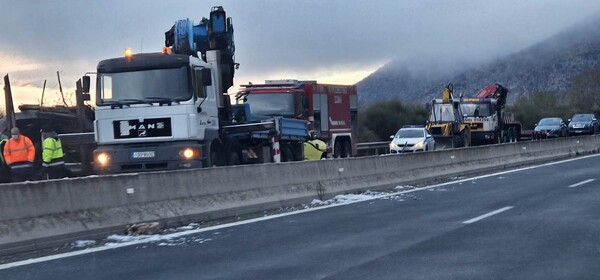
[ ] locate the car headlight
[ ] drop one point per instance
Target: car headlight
(393, 145)
(420, 144)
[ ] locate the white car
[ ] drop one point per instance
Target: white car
(411, 139)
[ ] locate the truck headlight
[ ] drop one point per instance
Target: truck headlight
(189, 153)
(103, 159)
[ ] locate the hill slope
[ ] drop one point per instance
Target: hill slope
(546, 66)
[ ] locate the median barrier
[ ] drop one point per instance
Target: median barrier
(35, 215)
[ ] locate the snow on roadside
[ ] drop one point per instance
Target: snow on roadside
(83, 243)
(170, 237)
(367, 195)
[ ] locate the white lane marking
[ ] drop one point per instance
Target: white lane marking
(581, 183)
(184, 233)
(488, 215)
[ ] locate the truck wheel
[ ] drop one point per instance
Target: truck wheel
(337, 149)
(234, 158)
(287, 154)
(347, 152)
(214, 157)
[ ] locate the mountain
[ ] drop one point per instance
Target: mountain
(545, 66)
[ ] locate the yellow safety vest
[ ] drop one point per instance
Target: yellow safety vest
(52, 152)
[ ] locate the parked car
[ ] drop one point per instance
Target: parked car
(411, 138)
(583, 124)
(551, 127)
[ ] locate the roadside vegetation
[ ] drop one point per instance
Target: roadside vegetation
(582, 97)
(380, 120)
(383, 119)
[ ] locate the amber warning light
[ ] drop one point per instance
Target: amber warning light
(128, 53)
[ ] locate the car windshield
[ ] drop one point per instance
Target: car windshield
(410, 133)
(144, 86)
(549, 122)
(442, 112)
(582, 118)
(475, 110)
(271, 104)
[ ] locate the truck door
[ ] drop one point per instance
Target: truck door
(321, 109)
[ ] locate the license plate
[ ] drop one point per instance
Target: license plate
(149, 154)
(578, 131)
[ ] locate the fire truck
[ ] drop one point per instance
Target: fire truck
(331, 110)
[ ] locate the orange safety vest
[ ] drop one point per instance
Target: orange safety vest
(19, 150)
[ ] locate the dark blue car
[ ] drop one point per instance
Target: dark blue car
(583, 124)
(551, 127)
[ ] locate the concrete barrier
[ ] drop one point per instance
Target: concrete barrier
(36, 215)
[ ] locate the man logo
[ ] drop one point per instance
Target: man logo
(124, 128)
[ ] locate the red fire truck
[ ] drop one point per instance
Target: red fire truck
(331, 110)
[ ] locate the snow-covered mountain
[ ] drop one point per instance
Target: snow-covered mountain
(547, 65)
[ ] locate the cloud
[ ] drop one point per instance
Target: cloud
(305, 38)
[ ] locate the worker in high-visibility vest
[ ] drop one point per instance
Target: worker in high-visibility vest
(19, 154)
(52, 155)
(4, 170)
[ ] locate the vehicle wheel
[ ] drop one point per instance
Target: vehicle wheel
(337, 149)
(214, 157)
(466, 142)
(347, 152)
(234, 158)
(511, 135)
(287, 154)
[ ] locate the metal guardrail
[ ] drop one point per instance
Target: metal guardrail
(373, 148)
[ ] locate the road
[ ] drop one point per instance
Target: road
(533, 223)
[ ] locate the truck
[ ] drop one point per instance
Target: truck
(331, 110)
(446, 123)
(169, 110)
(487, 119)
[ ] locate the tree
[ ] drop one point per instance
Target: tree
(383, 119)
(531, 108)
(584, 93)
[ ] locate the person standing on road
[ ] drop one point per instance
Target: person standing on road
(52, 155)
(19, 154)
(4, 170)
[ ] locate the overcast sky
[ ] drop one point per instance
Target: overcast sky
(338, 41)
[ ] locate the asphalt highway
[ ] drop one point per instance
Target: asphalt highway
(533, 223)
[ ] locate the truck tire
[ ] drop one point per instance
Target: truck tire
(233, 159)
(347, 152)
(337, 149)
(465, 139)
(214, 157)
(287, 154)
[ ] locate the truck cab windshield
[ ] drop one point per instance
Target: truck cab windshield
(271, 104)
(144, 86)
(442, 113)
(476, 109)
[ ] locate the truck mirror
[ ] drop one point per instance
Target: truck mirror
(85, 80)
